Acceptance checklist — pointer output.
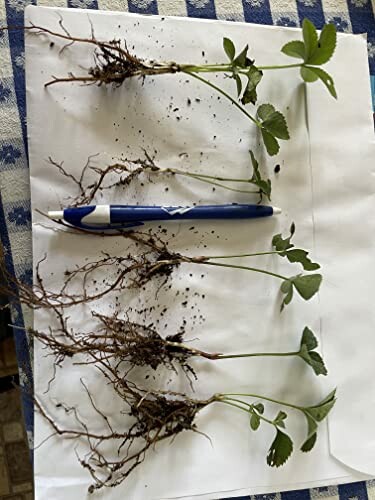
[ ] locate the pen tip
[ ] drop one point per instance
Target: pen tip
(276, 210)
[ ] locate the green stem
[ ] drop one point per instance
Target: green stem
(254, 354)
(229, 402)
(213, 68)
(232, 402)
(282, 66)
(257, 396)
(207, 181)
(216, 356)
(243, 255)
(223, 179)
(205, 68)
(245, 268)
(222, 92)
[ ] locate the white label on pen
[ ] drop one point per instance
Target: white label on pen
(177, 211)
(100, 215)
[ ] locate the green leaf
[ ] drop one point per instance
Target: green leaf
(279, 420)
(301, 256)
(255, 165)
(265, 188)
(249, 95)
(320, 411)
(287, 289)
(307, 285)
(259, 407)
(312, 425)
(281, 244)
(326, 46)
(276, 125)
(254, 76)
(308, 339)
(238, 83)
(313, 359)
(317, 363)
(242, 60)
(264, 185)
(280, 450)
(272, 146)
(229, 48)
(308, 75)
(294, 49)
(326, 79)
(310, 440)
(327, 399)
(310, 38)
(307, 353)
(285, 247)
(273, 125)
(308, 445)
(254, 421)
(264, 111)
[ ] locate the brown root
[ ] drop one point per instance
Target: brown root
(126, 172)
(156, 417)
(113, 63)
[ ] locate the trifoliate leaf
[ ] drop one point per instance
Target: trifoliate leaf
(313, 359)
(242, 60)
(310, 38)
(308, 75)
(307, 285)
(259, 407)
(308, 339)
(294, 49)
(254, 76)
(326, 46)
(287, 289)
(254, 421)
(264, 111)
(276, 125)
(320, 411)
(279, 420)
(229, 48)
(325, 78)
(308, 445)
(280, 450)
(307, 353)
(301, 256)
(285, 249)
(272, 146)
(281, 244)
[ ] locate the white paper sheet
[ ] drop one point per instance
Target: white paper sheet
(241, 310)
(343, 169)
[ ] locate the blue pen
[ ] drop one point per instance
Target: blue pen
(102, 217)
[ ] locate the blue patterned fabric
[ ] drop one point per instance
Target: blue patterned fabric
(352, 16)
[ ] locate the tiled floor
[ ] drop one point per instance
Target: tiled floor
(15, 468)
